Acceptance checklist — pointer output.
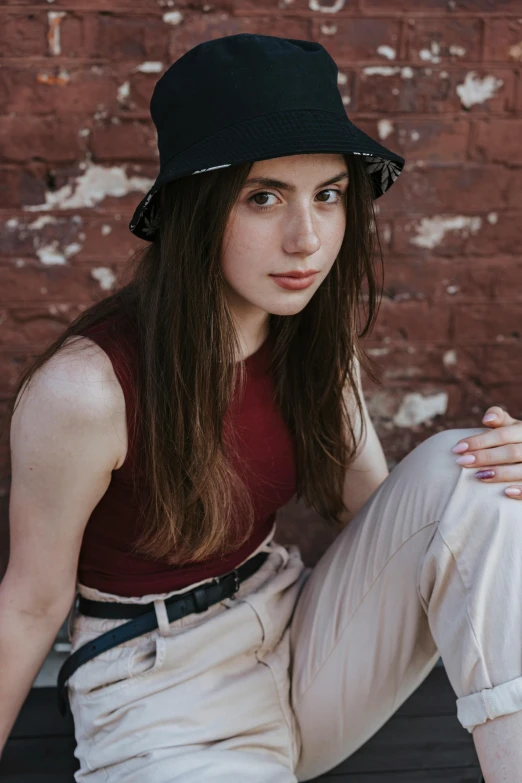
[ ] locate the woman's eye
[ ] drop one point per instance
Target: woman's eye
(264, 194)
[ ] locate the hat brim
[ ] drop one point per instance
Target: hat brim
(293, 132)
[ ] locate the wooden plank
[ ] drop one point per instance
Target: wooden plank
(434, 696)
(40, 716)
(38, 755)
(469, 775)
(405, 743)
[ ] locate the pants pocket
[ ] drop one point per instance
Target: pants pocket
(118, 667)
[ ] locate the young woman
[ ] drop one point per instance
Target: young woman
(156, 439)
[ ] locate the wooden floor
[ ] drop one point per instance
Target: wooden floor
(422, 743)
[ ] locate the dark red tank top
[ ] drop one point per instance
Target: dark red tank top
(265, 449)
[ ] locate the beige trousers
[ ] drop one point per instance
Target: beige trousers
(300, 668)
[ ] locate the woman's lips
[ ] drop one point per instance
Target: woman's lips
(294, 283)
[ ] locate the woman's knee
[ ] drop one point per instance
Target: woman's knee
(436, 450)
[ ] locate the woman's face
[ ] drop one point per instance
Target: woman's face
(275, 228)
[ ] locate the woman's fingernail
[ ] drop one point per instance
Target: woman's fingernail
(460, 447)
(482, 474)
(490, 417)
(467, 459)
(513, 491)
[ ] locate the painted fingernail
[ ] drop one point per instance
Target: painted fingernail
(514, 491)
(460, 447)
(481, 474)
(467, 459)
(490, 417)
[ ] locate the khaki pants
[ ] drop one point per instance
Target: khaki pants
(300, 668)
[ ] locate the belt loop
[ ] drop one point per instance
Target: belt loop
(162, 617)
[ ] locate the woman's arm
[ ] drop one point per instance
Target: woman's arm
(369, 469)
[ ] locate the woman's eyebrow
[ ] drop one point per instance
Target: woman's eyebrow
(267, 182)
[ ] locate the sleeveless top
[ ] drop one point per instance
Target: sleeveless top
(265, 460)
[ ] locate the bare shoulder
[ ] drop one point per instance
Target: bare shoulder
(79, 381)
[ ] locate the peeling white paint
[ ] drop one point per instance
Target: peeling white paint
(378, 351)
(386, 234)
(84, 132)
(328, 29)
(443, 75)
(380, 70)
(346, 100)
(457, 51)
(92, 187)
(414, 135)
(431, 231)
(450, 358)
(53, 36)
(342, 78)
(388, 70)
(104, 276)
(41, 222)
(387, 51)
(452, 289)
(384, 129)
(431, 55)
(173, 17)
(149, 67)
(416, 408)
(315, 5)
(476, 90)
(515, 51)
(123, 92)
(106, 229)
(52, 254)
(492, 218)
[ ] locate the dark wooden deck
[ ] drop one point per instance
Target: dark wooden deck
(422, 743)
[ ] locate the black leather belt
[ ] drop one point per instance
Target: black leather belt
(144, 617)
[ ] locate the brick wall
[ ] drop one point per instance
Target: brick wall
(437, 81)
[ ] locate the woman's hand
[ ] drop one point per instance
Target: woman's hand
(497, 454)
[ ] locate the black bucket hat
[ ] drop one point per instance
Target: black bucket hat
(251, 97)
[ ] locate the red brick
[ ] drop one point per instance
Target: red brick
(23, 34)
(140, 142)
(32, 327)
(100, 237)
(48, 284)
(48, 138)
(475, 6)
(430, 89)
(197, 28)
(411, 320)
(507, 395)
(504, 40)
(412, 362)
(440, 280)
(443, 40)
(484, 238)
(502, 365)
(356, 39)
(129, 6)
(497, 140)
(22, 186)
(126, 37)
(61, 89)
(445, 188)
(488, 324)
(431, 140)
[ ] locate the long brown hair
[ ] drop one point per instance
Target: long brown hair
(187, 370)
